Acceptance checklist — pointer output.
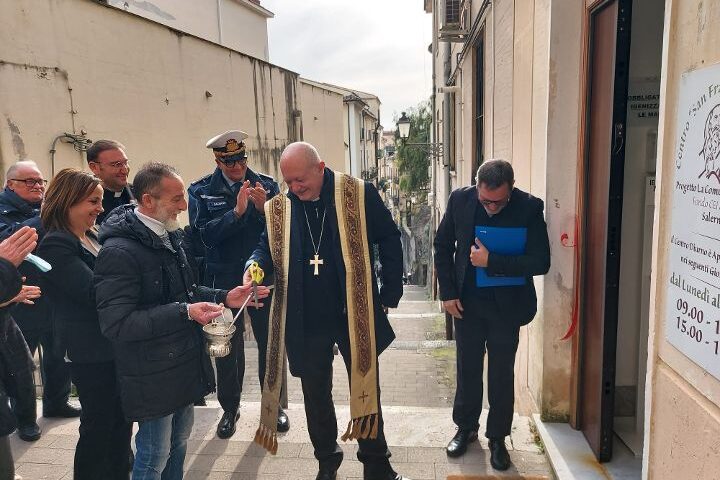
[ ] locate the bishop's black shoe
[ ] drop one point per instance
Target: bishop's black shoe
(226, 427)
(388, 476)
(325, 474)
(283, 422)
(459, 443)
(499, 456)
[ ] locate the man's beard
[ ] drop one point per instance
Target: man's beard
(171, 224)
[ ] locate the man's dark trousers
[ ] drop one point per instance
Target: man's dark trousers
(483, 327)
(55, 371)
(231, 368)
(320, 411)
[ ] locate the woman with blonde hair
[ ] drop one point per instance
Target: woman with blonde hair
(72, 204)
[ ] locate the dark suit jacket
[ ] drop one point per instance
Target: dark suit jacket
(456, 234)
(382, 231)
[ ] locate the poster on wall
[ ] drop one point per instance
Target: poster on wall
(693, 296)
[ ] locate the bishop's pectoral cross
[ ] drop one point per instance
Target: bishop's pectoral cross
(316, 262)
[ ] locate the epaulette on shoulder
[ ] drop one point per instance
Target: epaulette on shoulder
(201, 180)
(265, 177)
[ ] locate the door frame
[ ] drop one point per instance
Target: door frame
(615, 192)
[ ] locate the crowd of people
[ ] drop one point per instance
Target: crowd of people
(119, 313)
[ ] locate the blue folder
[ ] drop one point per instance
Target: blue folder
(503, 241)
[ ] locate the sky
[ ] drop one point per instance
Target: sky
(376, 46)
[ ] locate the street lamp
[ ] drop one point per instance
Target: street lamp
(403, 125)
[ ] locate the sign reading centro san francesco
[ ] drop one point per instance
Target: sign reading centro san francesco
(693, 295)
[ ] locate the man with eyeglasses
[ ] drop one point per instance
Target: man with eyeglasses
(227, 216)
(107, 160)
(487, 314)
(20, 206)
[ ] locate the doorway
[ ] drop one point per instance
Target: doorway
(624, 64)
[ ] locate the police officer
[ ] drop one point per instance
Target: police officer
(226, 212)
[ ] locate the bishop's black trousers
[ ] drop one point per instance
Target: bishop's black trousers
(483, 328)
(320, 410)
(231, 369)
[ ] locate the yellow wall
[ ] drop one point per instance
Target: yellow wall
(683, 413)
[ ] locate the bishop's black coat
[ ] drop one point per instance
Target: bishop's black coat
(381, 230)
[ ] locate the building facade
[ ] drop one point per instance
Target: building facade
(65, 80)
(240, 25)
(596, 103)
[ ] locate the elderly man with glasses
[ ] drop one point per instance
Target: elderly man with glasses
(19, 207)
(108, 161)
(227, 216)
(490, 243)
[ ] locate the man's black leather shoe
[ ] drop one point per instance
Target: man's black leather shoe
(458, 445)
(283, 422)
(29, 432)
(62, 411)
(200, 402)
(326, 475)
(226, 427)
(499, 456)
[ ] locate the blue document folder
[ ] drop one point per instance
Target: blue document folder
(504, 241)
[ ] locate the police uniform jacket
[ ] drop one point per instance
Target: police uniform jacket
(228, 240)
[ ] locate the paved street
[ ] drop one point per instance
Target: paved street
(417, 382)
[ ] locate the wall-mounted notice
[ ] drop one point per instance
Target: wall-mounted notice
(693, 295)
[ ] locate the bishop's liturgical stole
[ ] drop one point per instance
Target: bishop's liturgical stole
(352, 225)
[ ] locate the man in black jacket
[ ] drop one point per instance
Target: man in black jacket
(488, 317)
(150, 306)
(229, 231)
(108, 161)
(20, 206)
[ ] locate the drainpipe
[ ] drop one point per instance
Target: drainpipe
(433, 165)
(219, 15)
(447, 98)
(449, 332)
(350, 145)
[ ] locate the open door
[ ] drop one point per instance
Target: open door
(609, 51)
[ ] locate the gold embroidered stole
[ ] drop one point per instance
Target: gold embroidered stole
(277, 213)
(352, 227)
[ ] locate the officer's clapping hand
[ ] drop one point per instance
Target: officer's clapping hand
(237, 296)
(204, 312)
(242, 198)
(258, 196)
(16, 247)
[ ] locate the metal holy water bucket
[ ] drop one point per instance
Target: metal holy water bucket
(217, 336)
